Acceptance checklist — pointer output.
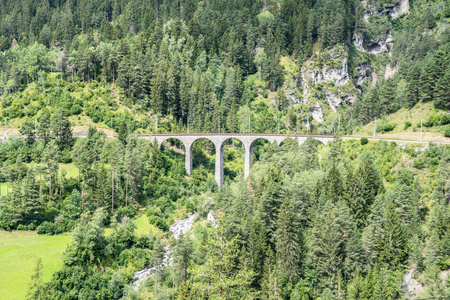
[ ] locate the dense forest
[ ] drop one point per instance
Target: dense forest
(343, 221)
(209, 65)
(353, 219)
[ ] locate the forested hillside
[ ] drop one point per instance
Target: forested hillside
(353, 219)
(191, 63)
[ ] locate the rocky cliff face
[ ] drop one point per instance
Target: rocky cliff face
(337, 75)
(379, 45)
(331, 73)
(393, 9)
(390, 70)
(365, 73)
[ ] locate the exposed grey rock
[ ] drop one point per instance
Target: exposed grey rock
(390, 70)
(365, 71)
(294, 99)
(348, 98)
(375, 46)
(358, 41)
(337, 75)
(394, 10)
(400, 8)
(316, 112)
(333, 100)
(181, 227)
(410, 286)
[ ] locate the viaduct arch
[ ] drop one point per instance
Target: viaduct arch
(247, 140)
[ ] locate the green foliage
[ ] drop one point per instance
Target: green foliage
(364, 141)
(217, 277)
(392, 241)
(447, 131)
(47, 228)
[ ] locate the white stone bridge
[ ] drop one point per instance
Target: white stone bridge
(248, 140)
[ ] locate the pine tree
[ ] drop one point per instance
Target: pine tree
(257, 247)
(219, 277)
(101, 196)
(183, 255)
(270, 202)
(386, 286)
(288, 247)
(391, 243)
(370, 180)
(333, 185)
(28, 129)
(50, 157)
(443, 91)
(158, 88)
(427, 82)
(387, 97)
(123, 133)
(357, 288)
(36, 290)
(327, 247)
(157, 260)
(270, 287)
(31, 205)
(314, 201)
(353, 196)
(413, 94)
(43, 130)
(61, 130)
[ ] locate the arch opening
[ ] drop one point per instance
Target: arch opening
(233, 151)
(258, 147)
(203, 152)
(174, 144)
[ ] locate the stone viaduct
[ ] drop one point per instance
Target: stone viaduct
(248, 141)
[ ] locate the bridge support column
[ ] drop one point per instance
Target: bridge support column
(219, 163)
(188, 158)
(247, 159)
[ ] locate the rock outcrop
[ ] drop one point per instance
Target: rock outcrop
(390, 70)
(375, 46)
(328, 70)
(181, 227)
(365, 72)
(316, 112)
(337, 75)
(393, 9)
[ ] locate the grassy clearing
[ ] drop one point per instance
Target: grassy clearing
(142, 225)
(422, 111)
(19, 252)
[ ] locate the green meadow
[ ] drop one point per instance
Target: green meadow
(20, 250)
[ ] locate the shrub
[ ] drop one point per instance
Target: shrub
(158, 222)
(128, 211)
(47, 228)
(447, 131)
(364, 141)
(419, 163)
(407, 125)
(388, 127)
(22, 227)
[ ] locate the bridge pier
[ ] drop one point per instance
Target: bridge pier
(219, 163)
(248, 155)
(188, 158)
